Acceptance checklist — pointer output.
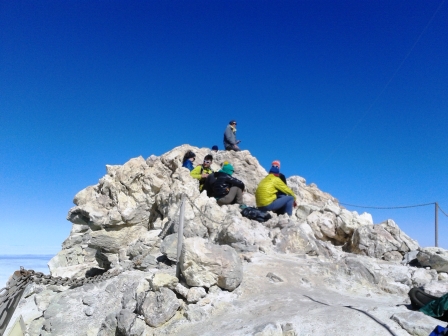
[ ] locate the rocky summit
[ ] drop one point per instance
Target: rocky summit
(323, 271)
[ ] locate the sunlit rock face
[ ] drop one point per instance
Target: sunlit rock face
(230, 268)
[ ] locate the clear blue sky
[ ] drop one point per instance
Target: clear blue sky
(351, 95)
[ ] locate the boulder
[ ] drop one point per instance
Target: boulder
(195, 294)
(376, 240)
(206, 264)
(159, 307)
(434, 257)
(159, 280)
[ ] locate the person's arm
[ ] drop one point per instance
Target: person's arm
(237, 183)
(279, 185)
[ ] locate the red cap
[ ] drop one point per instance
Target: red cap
(276, 163)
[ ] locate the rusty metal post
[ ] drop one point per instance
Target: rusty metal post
(437, 224)
(180, 234)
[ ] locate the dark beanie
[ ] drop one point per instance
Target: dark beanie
(232, 121)
(215, 147)
(274, 170)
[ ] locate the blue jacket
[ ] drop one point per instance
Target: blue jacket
(188, 164)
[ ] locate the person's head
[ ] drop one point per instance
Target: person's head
(189, 156)
(276, 163)
(232, 123)
(207, 161)
(274, 170)
(215, 148)
(227, 168)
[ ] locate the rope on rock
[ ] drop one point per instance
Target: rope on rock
(358, 309)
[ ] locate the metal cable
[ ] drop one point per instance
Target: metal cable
(395, 207)
(206, 216)
(442, 211)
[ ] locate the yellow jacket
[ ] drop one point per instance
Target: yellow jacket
(197, 174)
(268, 188)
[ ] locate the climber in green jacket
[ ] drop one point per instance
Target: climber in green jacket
(200, 172)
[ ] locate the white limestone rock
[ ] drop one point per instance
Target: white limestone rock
(205, 264)
(195, 294)
(376, 240)
(415, 323)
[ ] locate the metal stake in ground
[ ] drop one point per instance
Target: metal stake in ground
(437, 224)
(180, 234)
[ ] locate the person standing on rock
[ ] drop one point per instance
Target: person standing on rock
(266, 194)
(230, 142)
(201, 172)
(227, 189)
(187, 161)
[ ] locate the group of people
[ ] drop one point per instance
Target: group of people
(272, 193)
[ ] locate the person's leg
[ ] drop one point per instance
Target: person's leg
(281, 205)
(228, 199)
(239, 195)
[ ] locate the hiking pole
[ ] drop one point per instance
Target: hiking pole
(180, 234)
(437, 224)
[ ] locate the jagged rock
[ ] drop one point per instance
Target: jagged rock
(205, 264)
(129, 325)
(270, 329)
(420, 277)
(159, 307)
(43, 299)
(244, 235)
(409, 257)
(109, 326)
(376, 240)
(434, 257)
(159, 280)
(362, 269)
(297, 239)
(169, 247)
(195, 294)
(194, 313)
(416, 323)
(182, 290)
(325, 226)
(303, 210)
(436, 288)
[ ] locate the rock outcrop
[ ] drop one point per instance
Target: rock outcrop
(130, 221)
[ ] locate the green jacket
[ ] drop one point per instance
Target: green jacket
(267, 189)
(198, 171)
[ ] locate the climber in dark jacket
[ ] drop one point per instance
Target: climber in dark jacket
(187, 161)
(230, 141)
(227, 189)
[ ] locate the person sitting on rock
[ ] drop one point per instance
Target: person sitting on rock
(230, 142)
(202, 171)
(227, 189)
(266, 194)
(187, 161)
(276, 163)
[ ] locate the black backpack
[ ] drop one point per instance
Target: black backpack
(208, 184)
(256, 214)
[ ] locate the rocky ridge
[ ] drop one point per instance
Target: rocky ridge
(277, 277)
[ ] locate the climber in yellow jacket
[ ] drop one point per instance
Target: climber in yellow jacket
(201, 172)
(266, 194)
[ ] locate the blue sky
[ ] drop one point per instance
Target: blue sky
(351, 95)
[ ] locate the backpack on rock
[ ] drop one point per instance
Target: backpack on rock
(256, 214)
